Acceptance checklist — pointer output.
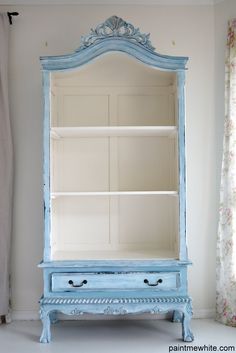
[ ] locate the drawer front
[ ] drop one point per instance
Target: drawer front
(70, 282)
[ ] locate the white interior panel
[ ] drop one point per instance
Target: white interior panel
(81, 106)
(81, 223)
(84, 110)
(81, 164)
(114, 90)
(145, 110)
(135, 224)
(147, 222)
(105, 115)
(114, 69)
(146, 163)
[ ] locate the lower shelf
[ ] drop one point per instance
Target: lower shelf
(114, 255)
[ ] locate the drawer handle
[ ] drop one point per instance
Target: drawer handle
(77, 285)
(153, 284)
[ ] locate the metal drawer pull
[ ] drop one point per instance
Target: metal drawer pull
(153, 284)
(77, 285)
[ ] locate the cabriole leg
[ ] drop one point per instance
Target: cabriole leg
(46, 332)
(53, 317)
(186, 331)
(177, 316)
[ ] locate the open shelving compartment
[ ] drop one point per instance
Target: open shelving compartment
(114, 162)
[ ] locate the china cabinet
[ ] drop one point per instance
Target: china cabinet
(114, 180)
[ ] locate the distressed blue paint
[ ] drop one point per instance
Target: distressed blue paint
(65, 62)
(177, 316)
(182, 172)
(115, 281)
(136, 271)
(46, 165)
(109, 289)
(116, 306)
(104, 264)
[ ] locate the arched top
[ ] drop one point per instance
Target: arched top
(114, 35)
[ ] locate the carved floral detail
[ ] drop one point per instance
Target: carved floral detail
(76, 311)
(118, 28)
(157, 310)
(115, 311)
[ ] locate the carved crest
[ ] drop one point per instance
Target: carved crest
(115, 27)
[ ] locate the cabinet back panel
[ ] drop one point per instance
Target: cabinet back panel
(145, 109)
(146, 222)
(114, 68)
(114, 106)
(81, 164)
(137, 223)
(84, 110)
(113, 90)
(146, 163)
(80, 221)
(114, 163)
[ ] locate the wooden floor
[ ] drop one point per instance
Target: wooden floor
(121, 336)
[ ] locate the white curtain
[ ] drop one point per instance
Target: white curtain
(6, 169)
(226, 242)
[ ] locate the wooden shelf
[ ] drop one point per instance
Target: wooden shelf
(114, 255)
(98, 131)
(113, 193)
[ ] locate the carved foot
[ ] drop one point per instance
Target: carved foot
(186, 331)
(46, 332)
(177, 316)
(189, 337)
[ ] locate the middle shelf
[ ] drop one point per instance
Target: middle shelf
(113, 193)
(87, 131)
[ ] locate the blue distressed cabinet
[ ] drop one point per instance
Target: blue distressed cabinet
(114, 180)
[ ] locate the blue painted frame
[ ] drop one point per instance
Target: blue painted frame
(116, 35)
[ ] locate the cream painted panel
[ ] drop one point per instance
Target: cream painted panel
(143, 109)
(73, 230)
(114, 105)
(81, 164)
(114, 69)
(72, 219)
(146, 163)
(147, 222)
(84, 110)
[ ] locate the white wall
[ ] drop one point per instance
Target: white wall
(51, 30)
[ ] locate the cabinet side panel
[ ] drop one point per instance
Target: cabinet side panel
(182, 172)
(46, 165)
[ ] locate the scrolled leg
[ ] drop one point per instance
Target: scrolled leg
(53, 317)
(177, 316)
(46, 332)
(186, 331)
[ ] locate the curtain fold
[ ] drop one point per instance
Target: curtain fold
(226, 241)
(6, 169)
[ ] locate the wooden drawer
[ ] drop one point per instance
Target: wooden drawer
(162, 281)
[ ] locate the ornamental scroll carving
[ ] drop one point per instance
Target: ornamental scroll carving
(115, 27)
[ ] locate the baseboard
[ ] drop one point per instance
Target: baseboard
(204, 314)
(24, 315)
(34, 315)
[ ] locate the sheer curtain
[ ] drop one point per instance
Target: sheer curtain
(226, 242)
(6, 169)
